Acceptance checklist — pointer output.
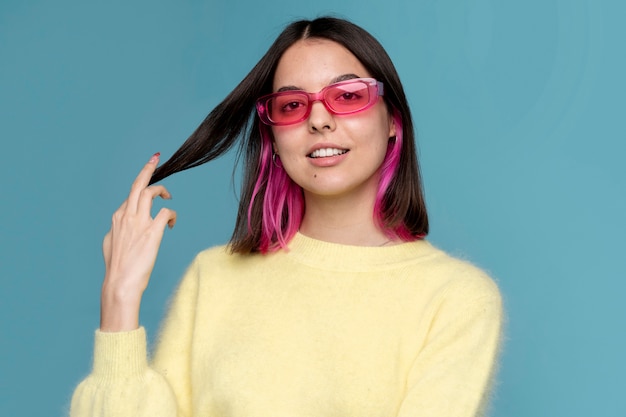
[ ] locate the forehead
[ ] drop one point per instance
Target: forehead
(312, 64)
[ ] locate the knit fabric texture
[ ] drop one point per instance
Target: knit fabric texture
(318, 330)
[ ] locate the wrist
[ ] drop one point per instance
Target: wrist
(119, 310)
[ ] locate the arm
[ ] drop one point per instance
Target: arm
(121, 383)
(452, 374)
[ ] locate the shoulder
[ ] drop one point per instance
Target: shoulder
(461, 277)
(463, 293)
(221, 258)
(208, 265)
(212, 254)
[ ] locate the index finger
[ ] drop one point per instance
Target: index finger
(142, 181)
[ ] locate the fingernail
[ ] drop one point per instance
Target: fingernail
(155, 157)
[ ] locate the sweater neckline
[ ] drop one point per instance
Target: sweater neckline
(341, 257)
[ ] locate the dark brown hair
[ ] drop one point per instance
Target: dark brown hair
(235, 118)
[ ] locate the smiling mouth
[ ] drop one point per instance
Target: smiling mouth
(326, 152)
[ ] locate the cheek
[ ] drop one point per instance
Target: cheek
(282, 142)
(373, 132)
(286, 152)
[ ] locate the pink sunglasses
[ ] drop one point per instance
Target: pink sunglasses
(345, 97)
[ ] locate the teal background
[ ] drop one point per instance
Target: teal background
(519, 107)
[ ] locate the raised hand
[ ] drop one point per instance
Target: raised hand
(130, 249)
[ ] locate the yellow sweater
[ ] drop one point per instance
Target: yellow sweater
(320, 330)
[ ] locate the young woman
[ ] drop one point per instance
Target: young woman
(327, 301)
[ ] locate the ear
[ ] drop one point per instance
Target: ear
(392, 127)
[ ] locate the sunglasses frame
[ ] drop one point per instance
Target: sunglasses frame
(375, 89)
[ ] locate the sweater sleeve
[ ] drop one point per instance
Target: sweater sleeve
(452, 374)
(122, 382)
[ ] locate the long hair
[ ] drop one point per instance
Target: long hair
(271, 205)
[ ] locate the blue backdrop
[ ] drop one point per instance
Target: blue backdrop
(519, 107)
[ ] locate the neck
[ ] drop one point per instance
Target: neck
(346, 220)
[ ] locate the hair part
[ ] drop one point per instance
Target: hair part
(271, 205)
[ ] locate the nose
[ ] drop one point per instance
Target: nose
(320, 118)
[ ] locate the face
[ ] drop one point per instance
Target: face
(330, 155)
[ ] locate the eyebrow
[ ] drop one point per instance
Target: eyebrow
(340, 78)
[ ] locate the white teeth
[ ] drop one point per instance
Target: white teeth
(322, 153)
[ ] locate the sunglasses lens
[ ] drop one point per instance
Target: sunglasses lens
(348, 98)
(287, 108)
